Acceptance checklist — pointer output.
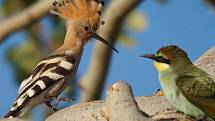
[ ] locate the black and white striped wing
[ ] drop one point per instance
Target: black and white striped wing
(47, 73)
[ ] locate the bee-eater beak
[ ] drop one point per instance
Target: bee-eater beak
(104, 41)
(150, 56)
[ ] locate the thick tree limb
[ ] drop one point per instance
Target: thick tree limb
(24, 18)
(121, 106)
(93, 81)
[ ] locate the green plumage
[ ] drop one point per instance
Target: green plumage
(199, 88)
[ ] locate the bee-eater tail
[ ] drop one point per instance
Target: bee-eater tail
(209, 108)
(211, 115)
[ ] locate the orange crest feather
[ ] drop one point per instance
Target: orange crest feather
(84, 10)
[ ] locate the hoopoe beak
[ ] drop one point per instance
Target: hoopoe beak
(150, 56)
(104, 41)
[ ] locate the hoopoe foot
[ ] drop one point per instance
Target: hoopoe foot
(51, 106)
(159, 93)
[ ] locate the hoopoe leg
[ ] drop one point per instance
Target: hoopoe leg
(51, 106)
(65, 99)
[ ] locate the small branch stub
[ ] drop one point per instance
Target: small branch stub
(120, 104)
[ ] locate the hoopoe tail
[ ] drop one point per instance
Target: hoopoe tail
(14, 113)
(11, 114)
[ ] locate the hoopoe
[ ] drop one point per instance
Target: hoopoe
(51, 76)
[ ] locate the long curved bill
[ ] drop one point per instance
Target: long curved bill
(104, 41)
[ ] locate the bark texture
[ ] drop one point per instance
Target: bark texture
(207, 62)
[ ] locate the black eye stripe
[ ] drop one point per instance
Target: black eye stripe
(162, 60)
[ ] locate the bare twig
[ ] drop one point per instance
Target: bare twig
(93, 81)
(24, 18)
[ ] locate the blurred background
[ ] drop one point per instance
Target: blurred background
(149, 25)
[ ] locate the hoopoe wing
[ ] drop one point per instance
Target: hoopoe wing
(24, 82)
(46, 74)
(46, 63)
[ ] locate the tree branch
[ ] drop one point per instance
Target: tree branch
(24, 18)
(93, 81)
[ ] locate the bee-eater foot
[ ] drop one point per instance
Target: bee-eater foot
(159, 93)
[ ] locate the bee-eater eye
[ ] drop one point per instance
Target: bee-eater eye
(162, 59)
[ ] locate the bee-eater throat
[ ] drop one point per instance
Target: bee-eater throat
(160, 66)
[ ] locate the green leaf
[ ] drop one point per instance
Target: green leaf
(126, 40)
(136, 21)
(24, 58)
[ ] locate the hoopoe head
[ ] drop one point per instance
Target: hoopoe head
(84, 17)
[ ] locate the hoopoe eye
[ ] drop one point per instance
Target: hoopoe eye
(86, 28)
(99, 12)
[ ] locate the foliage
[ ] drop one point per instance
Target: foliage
(135, 22)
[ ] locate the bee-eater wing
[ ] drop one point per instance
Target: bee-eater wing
(199, 89)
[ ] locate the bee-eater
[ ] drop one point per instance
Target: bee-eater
(188, 88)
